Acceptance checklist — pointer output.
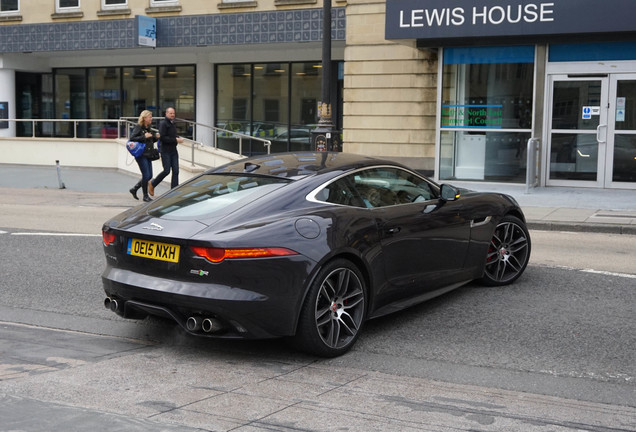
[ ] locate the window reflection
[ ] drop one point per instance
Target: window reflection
(275, 101)
(113, 92)
(624, 158)
(70, 100)
(176, 89)
(140, 90)
(104, 101)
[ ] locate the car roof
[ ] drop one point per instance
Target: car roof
(300, 164)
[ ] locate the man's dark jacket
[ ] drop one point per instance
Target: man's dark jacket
(168, 135)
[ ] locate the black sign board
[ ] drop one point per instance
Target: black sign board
(461, 19)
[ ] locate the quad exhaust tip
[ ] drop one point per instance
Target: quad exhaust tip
(208, 325)
(112, 304)
(211, 325)
(194, 323)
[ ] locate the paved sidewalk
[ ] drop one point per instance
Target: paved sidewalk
(572, 209)
(553, 208)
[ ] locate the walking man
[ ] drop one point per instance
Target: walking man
(168, 150)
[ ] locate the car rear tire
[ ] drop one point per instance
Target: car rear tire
(333, 312)
(508, 252)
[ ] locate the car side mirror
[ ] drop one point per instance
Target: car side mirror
(449, 193)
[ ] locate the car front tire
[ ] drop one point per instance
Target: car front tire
(508, 252)
(333, 312)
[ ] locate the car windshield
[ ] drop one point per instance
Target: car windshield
(214, 195)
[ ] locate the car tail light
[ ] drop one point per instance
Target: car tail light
(216, 255)
(109, 238)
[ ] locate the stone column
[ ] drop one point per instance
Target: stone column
(390, 91)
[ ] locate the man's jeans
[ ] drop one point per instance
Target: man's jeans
(169, 160)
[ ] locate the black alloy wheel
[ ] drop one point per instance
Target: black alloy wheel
(334, 310)
(508, 252)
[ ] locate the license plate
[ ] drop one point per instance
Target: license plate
(153, 250)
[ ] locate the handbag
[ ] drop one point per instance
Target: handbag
(151, 153)
(135, 148)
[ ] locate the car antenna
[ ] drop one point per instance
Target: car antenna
(249, 167)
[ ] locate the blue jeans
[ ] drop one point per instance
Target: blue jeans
(145, 166)
(169, 160)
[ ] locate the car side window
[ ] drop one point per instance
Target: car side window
(377, 187)
(381, 187)
(341, 192)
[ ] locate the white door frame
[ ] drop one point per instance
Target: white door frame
(615, 71)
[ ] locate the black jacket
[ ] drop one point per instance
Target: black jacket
(138, 134)
(168, 135)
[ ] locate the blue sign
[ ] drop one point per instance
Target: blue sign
(146, 31)
(461, 19)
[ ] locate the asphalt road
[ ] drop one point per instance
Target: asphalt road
(554, 351)
(559, 331)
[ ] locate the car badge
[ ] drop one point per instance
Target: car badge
(199, 272)
(154, 226)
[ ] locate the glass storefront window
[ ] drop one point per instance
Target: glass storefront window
(233, 88)
(486, 113)
(34, 101)
(104, 101)
(176, 90)
(270, 105)
(70, 101)
(139, 91)
(276, 101)
(114, 92)
(306, 92)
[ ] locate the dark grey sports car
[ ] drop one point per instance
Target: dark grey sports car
(306, 245)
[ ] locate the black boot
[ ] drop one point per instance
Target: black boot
(134, 189)
(144, 188)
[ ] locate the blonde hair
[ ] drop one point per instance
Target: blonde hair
(142, 116)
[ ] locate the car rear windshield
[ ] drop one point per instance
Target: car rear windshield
(214, 195)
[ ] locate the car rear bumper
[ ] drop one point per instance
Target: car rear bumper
(262, 311)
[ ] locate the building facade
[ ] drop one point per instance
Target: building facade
(555, 79)
(249, 67)
(459, 89)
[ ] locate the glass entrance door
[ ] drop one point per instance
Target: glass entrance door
(621, 143)
(592, 131)
(578, 131)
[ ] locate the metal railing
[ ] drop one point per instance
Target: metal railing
(67, 128)
(217, 132)
(532, 164)
(121, 128)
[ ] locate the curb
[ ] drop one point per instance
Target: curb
(582, 227)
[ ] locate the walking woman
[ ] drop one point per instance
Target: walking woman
(142, 133)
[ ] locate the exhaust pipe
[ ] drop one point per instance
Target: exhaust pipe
(114, 305)
(193, 323)
(211, 325)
